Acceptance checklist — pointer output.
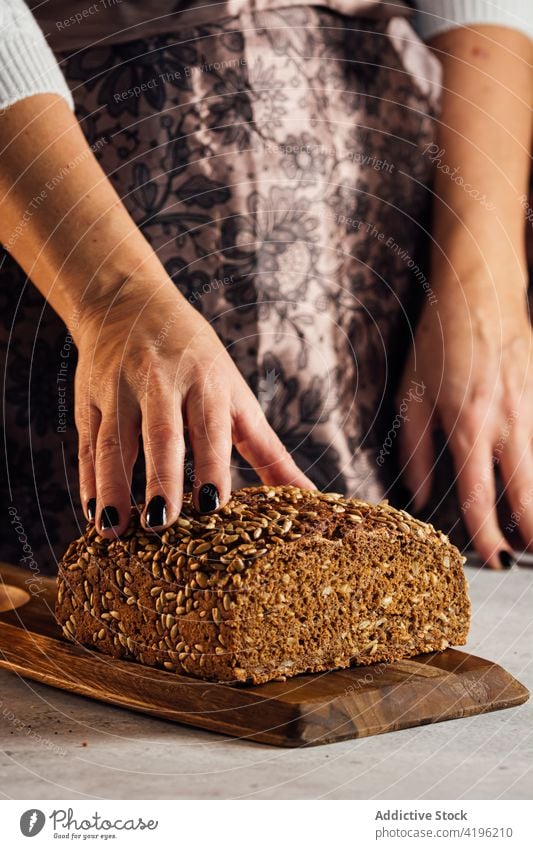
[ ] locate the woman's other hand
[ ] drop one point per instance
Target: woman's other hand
(473, 346)
(476, 364)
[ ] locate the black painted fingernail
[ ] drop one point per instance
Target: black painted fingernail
(208, 499)
(109, 518)
(156, 512)
(506, 559)
(91, 509)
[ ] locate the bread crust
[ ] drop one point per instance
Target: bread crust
(279, 582)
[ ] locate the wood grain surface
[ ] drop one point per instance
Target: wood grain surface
(306, 710)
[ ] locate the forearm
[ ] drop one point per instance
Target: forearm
(61, 218)
(482, 161)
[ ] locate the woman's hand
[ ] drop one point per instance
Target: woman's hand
(475, 360)
(150, 364)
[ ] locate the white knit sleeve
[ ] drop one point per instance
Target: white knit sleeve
(436, 16)
(27, 65)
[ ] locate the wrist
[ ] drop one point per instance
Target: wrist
(483, 309)
(494, 277)
(124, 296)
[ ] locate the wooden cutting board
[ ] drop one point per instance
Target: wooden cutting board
(305, 710)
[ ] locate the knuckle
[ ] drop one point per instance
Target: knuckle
(248, 418)
(214, 461)
(211, 382)
(196, 372)
(108, 447)
(206, 429)
(161, 479)
(109, 493)
(113, 483)
(160, 434)
(281, 453)
(104, 386)
(469, 420)
(273, 443)
(479, 394)
(462, 441)
(144, 372)
(152, 388)
(143, 361)
(86, 453)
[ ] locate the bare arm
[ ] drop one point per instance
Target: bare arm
(474, 347)
(484, 133)
(77, 242)
(61, 218)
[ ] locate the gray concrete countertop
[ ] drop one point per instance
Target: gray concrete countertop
(57, 746)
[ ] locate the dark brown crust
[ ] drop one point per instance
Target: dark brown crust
(280, 581)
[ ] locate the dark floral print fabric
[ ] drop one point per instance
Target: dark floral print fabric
(273, 161)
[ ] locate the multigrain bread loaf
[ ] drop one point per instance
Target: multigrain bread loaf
(280, 581)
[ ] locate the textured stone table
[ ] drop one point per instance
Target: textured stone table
(54, 745)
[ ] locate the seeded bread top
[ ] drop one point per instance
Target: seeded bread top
(254, 520)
